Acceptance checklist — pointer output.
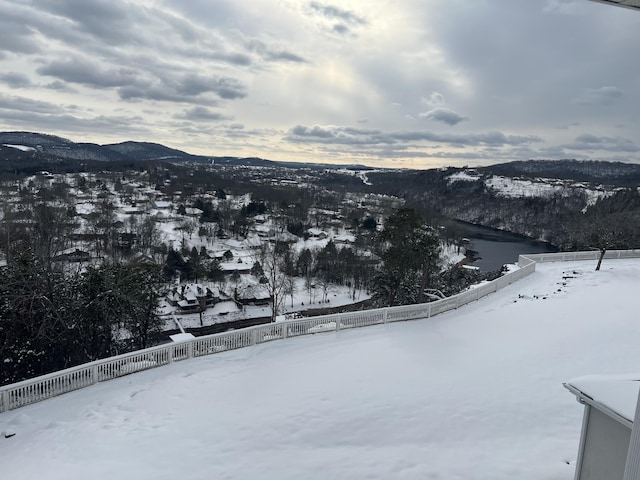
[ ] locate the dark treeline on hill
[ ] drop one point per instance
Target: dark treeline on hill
(612, 173)
(565, 218)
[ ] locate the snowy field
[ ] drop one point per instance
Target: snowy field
(471, 394)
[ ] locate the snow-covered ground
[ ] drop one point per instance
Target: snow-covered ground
(475, 393)
(19, 147)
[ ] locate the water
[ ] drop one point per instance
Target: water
(494, 248)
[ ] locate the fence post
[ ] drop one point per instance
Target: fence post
(4, 401)
(254, 336)
(285, 330)
(94, 374)
(338, 321)
(190, 349)
(384, 315)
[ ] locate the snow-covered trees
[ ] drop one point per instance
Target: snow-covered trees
(51, 319)
(410, 254)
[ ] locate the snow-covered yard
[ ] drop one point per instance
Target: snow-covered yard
(475, 393)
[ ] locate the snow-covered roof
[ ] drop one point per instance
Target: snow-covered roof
(233, 243)
(615, 395)
(181, 337)
(186, 303)
(253, 291)
(345, 238)
(235, 266)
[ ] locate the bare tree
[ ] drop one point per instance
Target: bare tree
(274, 279)
(290, 288)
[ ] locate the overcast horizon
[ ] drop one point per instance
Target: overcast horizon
(415, 84)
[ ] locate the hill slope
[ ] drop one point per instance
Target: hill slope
(474, 393)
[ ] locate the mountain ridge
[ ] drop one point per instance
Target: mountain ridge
(63, 148)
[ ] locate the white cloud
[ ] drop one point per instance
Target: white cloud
(436, 99)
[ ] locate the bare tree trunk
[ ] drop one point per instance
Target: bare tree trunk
(602, 252)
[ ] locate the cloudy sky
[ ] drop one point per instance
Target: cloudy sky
(404, 83)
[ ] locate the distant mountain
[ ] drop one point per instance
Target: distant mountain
(51, 149)
(149, 151)
(32, 139)
(58, 147)
(250, 161)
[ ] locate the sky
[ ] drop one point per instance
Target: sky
(411, 83)
(472, 393)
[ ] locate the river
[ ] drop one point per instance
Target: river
(493, 248)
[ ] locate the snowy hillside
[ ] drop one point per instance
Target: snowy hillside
(539, 187)
(475, 393)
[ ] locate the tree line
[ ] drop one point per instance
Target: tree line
(51, 319)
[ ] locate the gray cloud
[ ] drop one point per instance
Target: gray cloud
(336, 20)
(357, 136)
(598, 96)
(341, 29)
(87, 72)
(335, 13)
(588, 141)
(24, 104)
(285, 56)
(134, 85)
(122, 126)
(272, 54)
(589, 138)
(16, 35)
(15, 80)
(59, 86)
(97, 18)
(46, 117)
(160, 93)
(200, 113)
(225, 87)
(444, 115)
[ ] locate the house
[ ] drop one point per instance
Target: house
(316, 233)
(252, 295)
(344, 239)
(73, 255)
(607, 445)
(192, 297)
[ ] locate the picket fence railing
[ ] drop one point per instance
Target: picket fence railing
(41, 388)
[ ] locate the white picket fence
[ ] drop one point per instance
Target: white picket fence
(37, 389)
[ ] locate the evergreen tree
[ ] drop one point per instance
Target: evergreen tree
(410, 252)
